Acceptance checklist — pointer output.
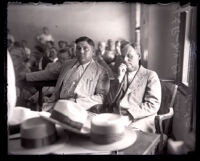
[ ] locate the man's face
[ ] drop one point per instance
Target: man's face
(63, 57)
(45, 30)
(23, 43)
(109, 56)
(131, 58)
(102, 46)
(62, 45)
(84, 52)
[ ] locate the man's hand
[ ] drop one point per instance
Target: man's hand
(121, 72)
(48, 106)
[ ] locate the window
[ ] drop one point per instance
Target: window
(185, 48)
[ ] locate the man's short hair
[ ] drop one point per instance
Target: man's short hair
(45, 28)
(87, 39)
(61, 41)
(51, 42)
(133, 45)
(63, 50)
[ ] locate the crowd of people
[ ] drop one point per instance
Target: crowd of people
(46, 56)
(46, 51)
(107, 78)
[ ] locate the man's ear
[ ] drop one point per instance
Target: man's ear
(93, 51)
(139, 56)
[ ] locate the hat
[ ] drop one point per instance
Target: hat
(37, 136)
(108, 133)
(37, 132)
(71, 116)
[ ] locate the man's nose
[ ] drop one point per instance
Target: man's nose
(125, 59)
(81, 50)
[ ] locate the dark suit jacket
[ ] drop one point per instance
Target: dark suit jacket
(51, 72)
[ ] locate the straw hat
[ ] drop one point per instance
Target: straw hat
(101, 129)
(71, 116)
(108, 133)
(37, 136)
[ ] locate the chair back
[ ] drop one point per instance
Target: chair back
(169, 91)
(163, 121)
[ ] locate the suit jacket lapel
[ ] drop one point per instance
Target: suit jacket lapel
(137, 81)
(66, 71)
(88, 73)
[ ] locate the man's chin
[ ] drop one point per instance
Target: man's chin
(83, 61)
(130, 69)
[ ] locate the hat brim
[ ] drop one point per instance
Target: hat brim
(14, 146)
(85, 131)
(129, 139)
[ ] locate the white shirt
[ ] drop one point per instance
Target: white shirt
(70, 84)
(131, 76)
(44, 38)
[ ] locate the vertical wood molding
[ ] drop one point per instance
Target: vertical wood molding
(144, 32)
(137, 24)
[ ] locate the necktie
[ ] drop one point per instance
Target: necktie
(120, 95)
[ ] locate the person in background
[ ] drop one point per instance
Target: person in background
(10, 36)
(110, 46)
(50, 69)
(101, 48)
(44, 36)
(19, 59)
(114, 58)
(20, 65)
(110, 54)
(53, 55)
(10, 40)
(110, 57)
(72, 50)
(15, 114)
(44, 42)
(50, 44)
(45, 59)
(11, 88)
(118, 47)
(62, 44)
(135, 93)
(99, 58)
(26, 49)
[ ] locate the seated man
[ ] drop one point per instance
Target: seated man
(51, 68)
(135, 93)
(81, 80)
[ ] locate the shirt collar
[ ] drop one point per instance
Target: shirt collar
(84, 65)
(131, 75)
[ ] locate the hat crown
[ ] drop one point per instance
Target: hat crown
(107, 128)
(71, 110)
(37, 132)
